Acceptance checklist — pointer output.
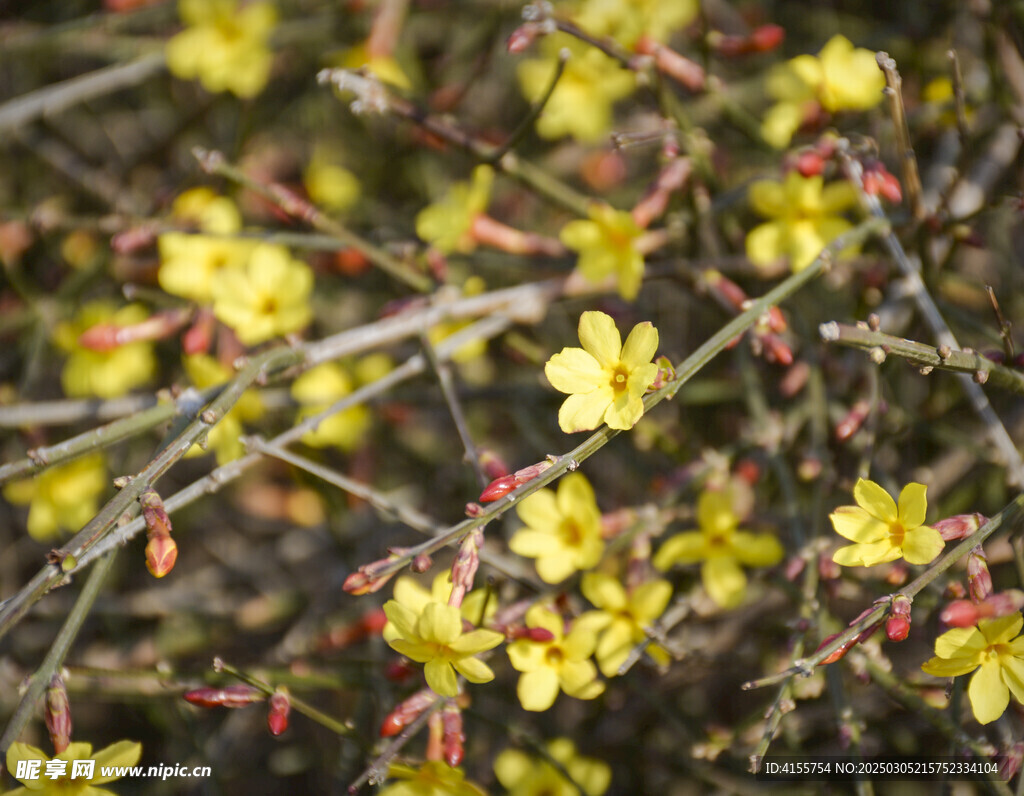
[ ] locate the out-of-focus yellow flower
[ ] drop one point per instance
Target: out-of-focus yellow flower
(839, 78)
(804, 215)
(996, 650)
(435, 637)
(330, 184)
(80, 769)
(446, 224)
(581, 105)
(384, 67)
(224, 47)
(721, 547)
(883, 531)
(561, 663)
(225, 439)
(474, 349)
(65, 497)
(621, 618)
(207, 210)
(522, 775)
(607, 244)
(628, 20)
(605, 379)
(563, 530)
(317, 389)
(104, 374)
(432, 778)
(269, 296)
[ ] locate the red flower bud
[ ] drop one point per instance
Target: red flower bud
(979, 579)
(960, 613)
(897, 626)
(58, 714)
(492, 465)
(836, 654)
(277, 715)
(161, 555)
(959, 526)
(406, 712)
(453, 736)
(498, 488)
(231, 696)
(854, 419)
(809, 163)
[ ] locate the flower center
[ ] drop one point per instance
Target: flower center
(572, 534)
(554, 656)
(620, 378)
(896, 534)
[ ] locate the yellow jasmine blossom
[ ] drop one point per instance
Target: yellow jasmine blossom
(605, 380)
(434, 637)
(476, 609)
(104, 374)
(884, 531)
(839, 78)
(563, 530)
(317, 389)
(269, 296)
(75, 778)
(628, 20)
(522, 775)
(207, 210)
(607, 245)
(65, 497)
(447, 224)
(432, 778)
(224, 47)
(996, 650)
(622, 618)
(328, 183)
(722, 548)
(581, 105)
(804, 215)
(225, 438)
(562, 663)
(189, 263)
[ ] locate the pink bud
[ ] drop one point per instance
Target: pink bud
(960, 613)
(277, 715)
(58, 714)
(498, 488)
(231, 696)
(453, 736)
(979, 579)
(406, 712)
(161, 555)
(959, 526)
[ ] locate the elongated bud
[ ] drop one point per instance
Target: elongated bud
(230, 696)
(760, 40)
(452, 735)
(108, 336)
(464, 568)
(161, 555)
(198, 338)
(277, 715)
(959, 526)
(500, 487)
(531, 634)
(671, 179)
(407, 712)
(687, 73)
(854, 419)
(365, 580)
(960, 613)
(897, 625)
(839, 652)
(979, 579)
(965, 613)
(58, 714)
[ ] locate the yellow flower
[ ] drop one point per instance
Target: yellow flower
(432, 778)
(996, 650)
(562, 663)
(628, 20)
(721, 547)
(189, 263)
(605, 380)
(884, 531)
(412, 595)
(329, 184)
(622, 617)
(522, 775)
(581, 105)
(318, 388)
(207, 210)
(104, 374)
(266, 298)
(447, 224)
(223, 47)
(804, 215)
(607, 245)
(839, 78)
(226, 437)
(563, 530)
(73, 778)
(65, 497)
(434, 637)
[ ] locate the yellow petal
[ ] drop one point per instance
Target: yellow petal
(767, 198)
(683, 548)
(715, 514)
(585, 412)
(866, 555)
(756, 549)
(537, 689)
(875, 500)
(724, 581)
(855, 524)
(600, 338)
(922, 545)
(402, 618)
(439, 623)
(476, 641)
(441, 677)
(988, 693)
(912, 505)
(556, 568)
(474, 670)
(539, 616)
(948, 667)
(649, 600)
(965, 643)
(511, 767)
(576, 677)
(1001, 629)
(573, 370)
(122, 753)
(764, 243)
(604, 591)
(640, 347)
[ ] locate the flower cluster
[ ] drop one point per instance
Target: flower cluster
(61, 498)
(522, 775)
(607, 244)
